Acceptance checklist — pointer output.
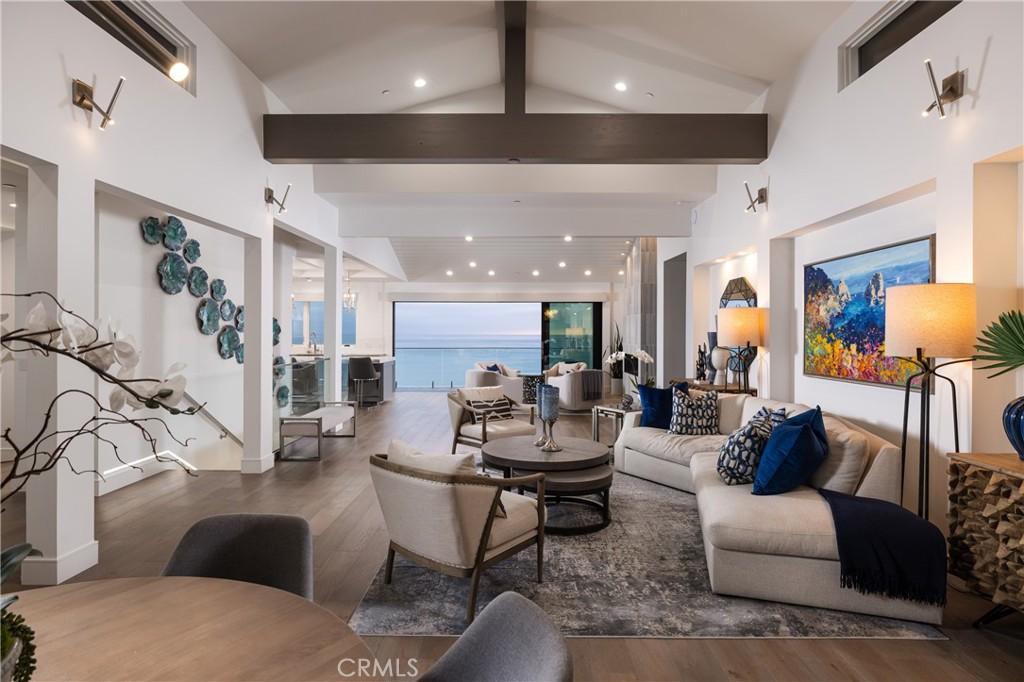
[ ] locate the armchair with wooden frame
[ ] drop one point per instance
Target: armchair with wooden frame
(475, 435)
(449, 522)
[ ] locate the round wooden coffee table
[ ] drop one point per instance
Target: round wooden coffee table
(579, 470)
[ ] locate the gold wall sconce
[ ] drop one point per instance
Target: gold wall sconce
(760, 199)
(952, 90)
(268, 196)
(82, 97)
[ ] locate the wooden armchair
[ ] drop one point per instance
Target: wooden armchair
(449, 522)
(466, 432)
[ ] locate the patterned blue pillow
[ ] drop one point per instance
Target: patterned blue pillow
(741, 452)
(776, 417)
(694, 414)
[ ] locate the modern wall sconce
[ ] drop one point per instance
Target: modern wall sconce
(952, 90)
(82, 97)
(268, 196)
(761, 198)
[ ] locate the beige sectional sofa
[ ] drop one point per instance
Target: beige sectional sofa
(773, 547)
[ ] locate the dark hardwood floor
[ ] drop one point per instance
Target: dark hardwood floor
(137, 527)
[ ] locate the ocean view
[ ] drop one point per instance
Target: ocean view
(441, 361)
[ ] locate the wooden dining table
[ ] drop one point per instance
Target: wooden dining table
(183, 629)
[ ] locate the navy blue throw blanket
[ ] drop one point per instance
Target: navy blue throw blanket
(886, 550)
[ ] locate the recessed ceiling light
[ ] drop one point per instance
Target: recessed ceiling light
(679, 203)
(561, 263)
(623, 253)
(13, 205)
(622, 272)
(490, 273)
(587, 273)
(449, 273)
(621, 86)
(567, 237)
(628, 242)
(469, 237)
(419, 82)
(472, 263)
(535, 273)
(309, 279)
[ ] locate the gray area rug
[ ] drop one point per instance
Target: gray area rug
(642, 576)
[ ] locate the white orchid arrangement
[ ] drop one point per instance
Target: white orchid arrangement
(50, 328)
(641, 355)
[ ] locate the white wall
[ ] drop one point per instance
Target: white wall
(835, 156)
(166, 330)
(197, 156)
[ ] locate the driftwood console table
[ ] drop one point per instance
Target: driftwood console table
(986, 528)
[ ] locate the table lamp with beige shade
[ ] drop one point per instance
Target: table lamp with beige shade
(924, 322)
(741, 330)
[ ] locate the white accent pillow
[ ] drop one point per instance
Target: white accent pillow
(482, 393)
(400, 452)
(847, 456)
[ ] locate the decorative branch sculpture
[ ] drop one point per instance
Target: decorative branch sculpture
(113, 360)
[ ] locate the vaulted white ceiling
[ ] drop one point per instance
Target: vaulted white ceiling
(339, 57)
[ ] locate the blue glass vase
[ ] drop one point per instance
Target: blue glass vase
(1013, 424)
(547, 403)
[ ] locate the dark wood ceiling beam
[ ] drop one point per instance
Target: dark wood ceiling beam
(512, 39)
(530, 138)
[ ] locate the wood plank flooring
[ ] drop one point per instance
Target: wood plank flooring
(137, 527)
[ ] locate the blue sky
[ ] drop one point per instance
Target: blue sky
(418, 320)
(850, 267)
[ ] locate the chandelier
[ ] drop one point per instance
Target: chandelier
(349, 299)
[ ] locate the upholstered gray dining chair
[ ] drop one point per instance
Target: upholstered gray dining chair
(275, 550)
(512, 639)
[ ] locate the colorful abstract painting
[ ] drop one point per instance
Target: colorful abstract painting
(844, 311)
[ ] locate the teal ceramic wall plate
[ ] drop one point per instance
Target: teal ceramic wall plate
(240, 354)
(218, 290)
(240, 318)
(191, 251)
(208, 315)
(228, 342)
(283, 392)
(198, 282)
(227, 310)
(173, 273)
(277, 332)
(175, 233)
(152, 230)
(279, 368)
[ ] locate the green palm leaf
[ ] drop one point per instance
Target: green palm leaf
(1001, 344)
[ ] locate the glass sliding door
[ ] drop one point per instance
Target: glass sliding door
(571, 332)
(435, 342)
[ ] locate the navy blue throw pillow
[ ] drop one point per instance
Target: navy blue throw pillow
(493, 368)
(796, 448)
(657, 405)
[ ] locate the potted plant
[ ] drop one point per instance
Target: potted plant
(613, 356)
(51, 329)
(1001, 345)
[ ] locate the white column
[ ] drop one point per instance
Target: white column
(334, 276)
(257, 455)
(60, 504)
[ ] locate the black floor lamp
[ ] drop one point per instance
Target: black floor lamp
(924, 322)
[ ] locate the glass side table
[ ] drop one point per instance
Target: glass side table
(615, 413)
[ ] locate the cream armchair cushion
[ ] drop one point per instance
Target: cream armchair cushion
(400, 452)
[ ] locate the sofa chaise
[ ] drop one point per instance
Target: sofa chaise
(773, 547)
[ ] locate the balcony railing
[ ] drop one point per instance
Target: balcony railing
(420, 368)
